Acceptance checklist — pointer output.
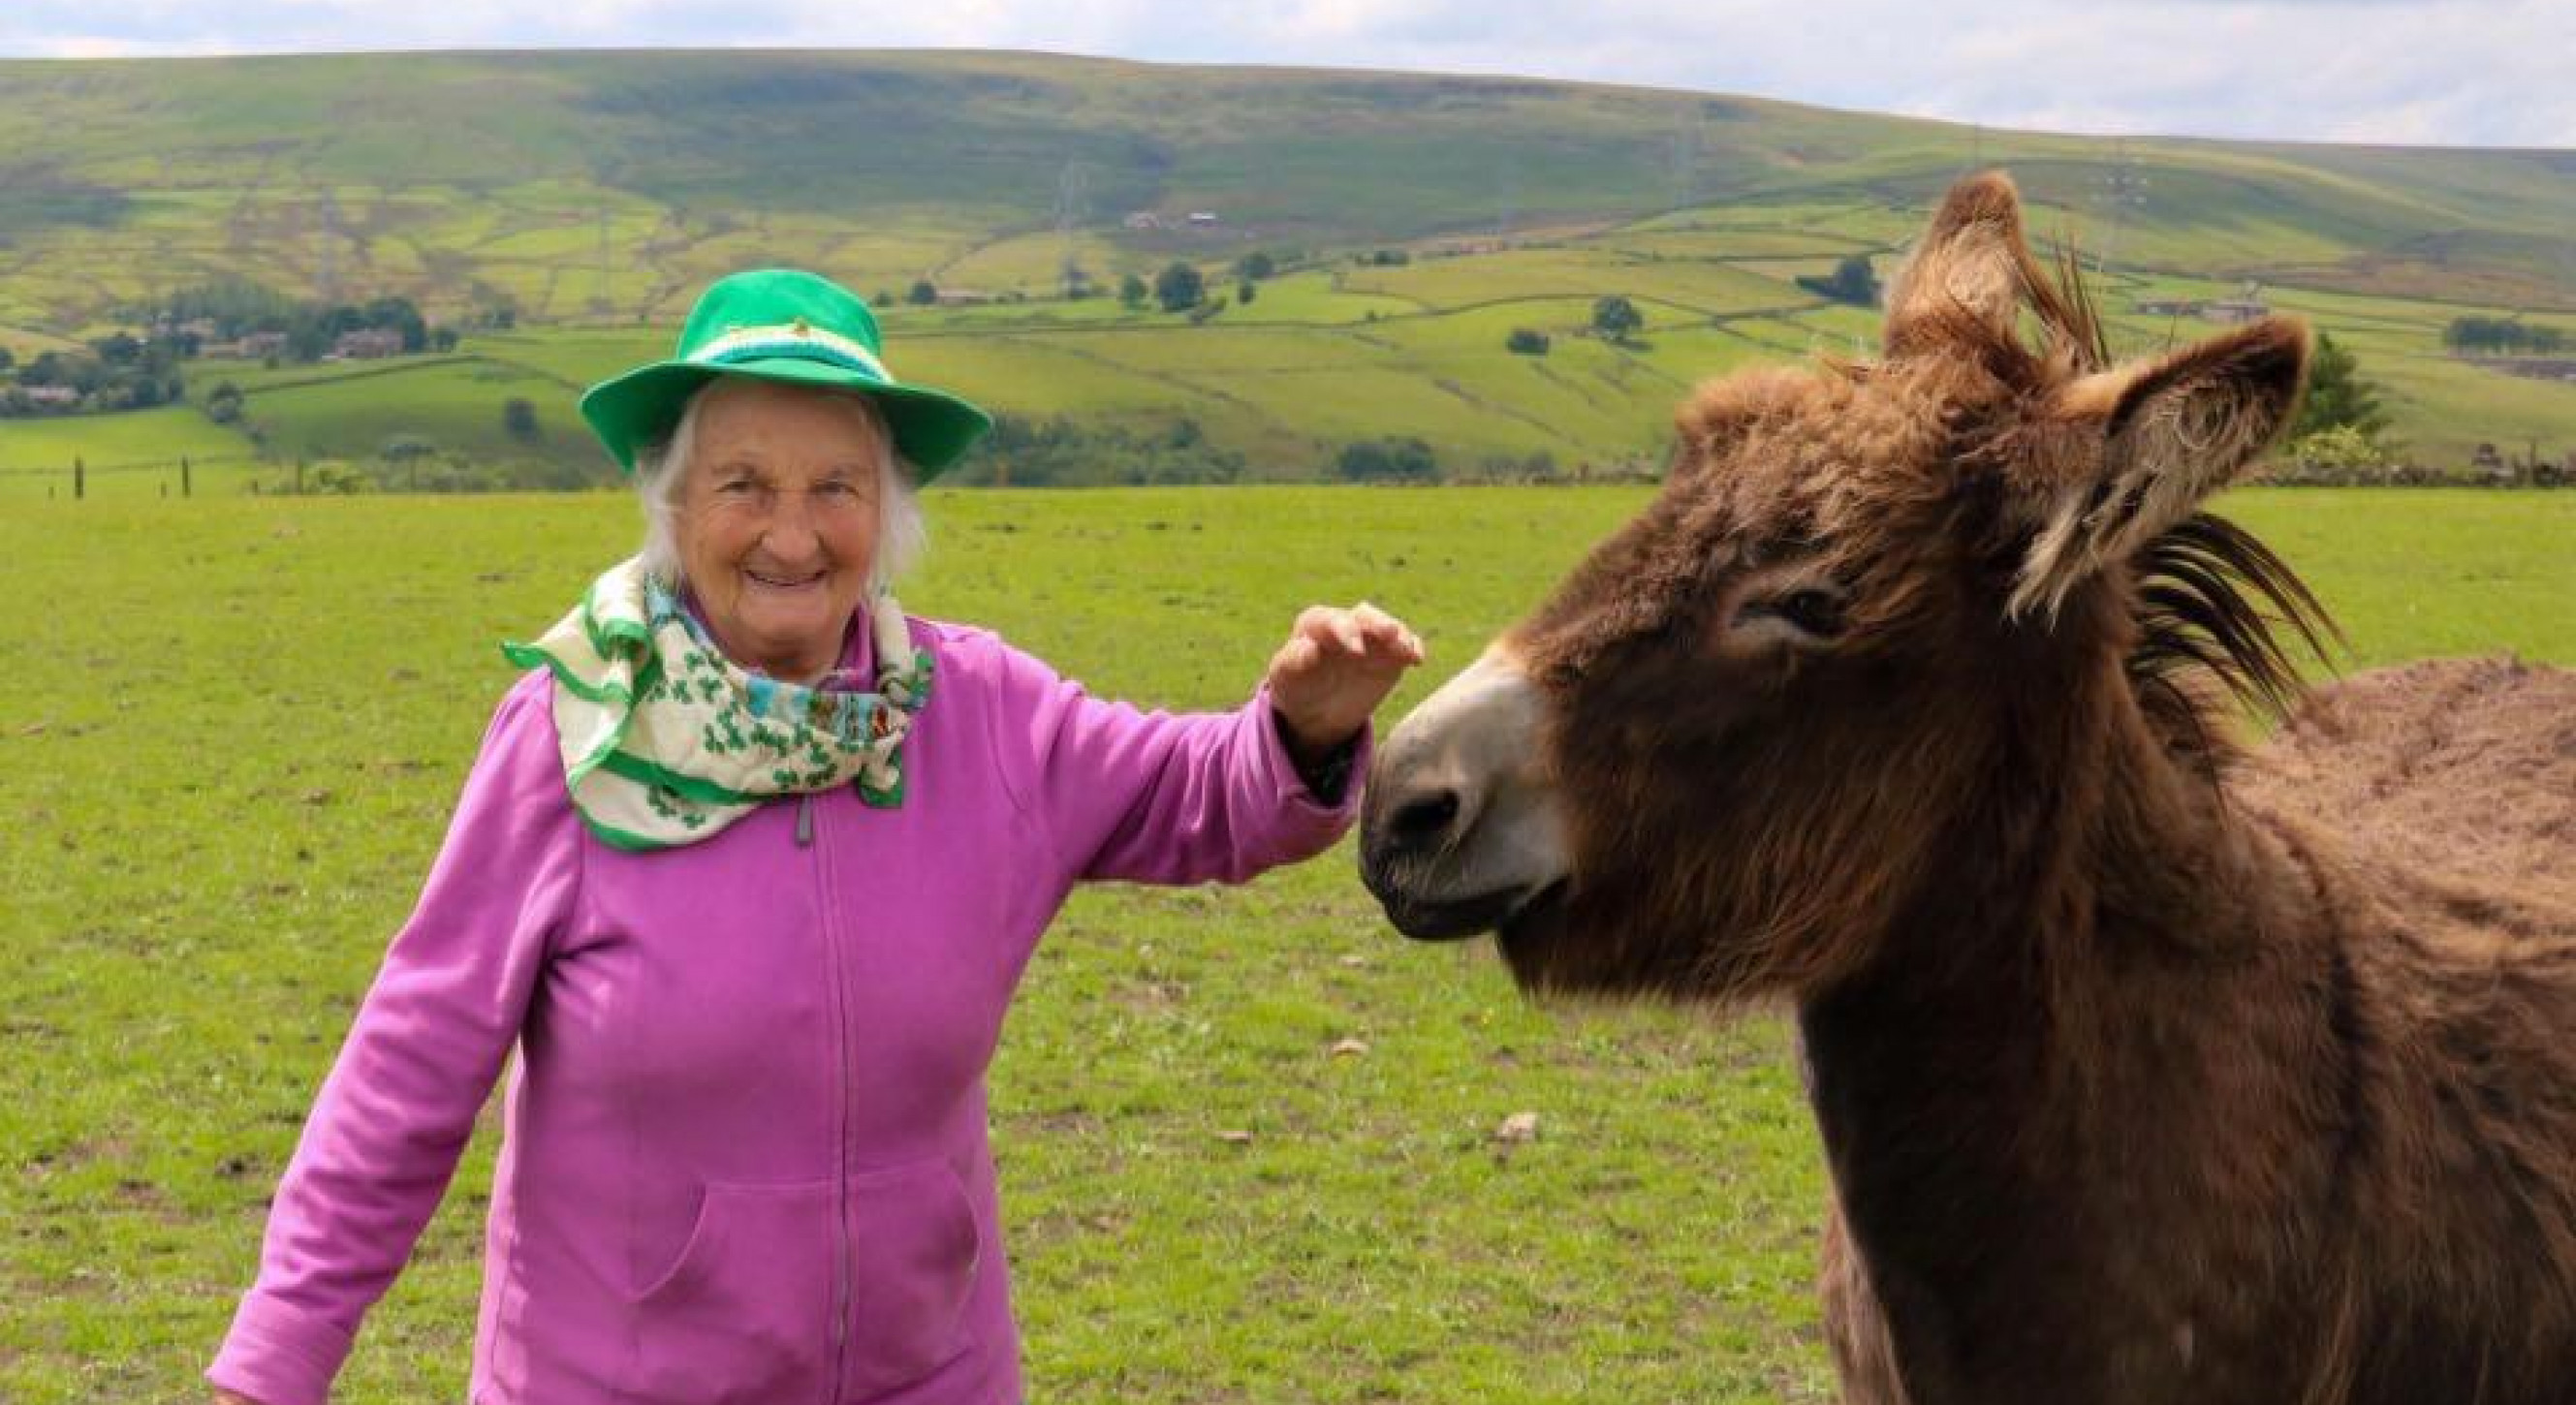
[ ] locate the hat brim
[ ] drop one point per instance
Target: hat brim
(932, 429)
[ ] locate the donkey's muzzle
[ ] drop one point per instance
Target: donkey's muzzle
(1460, 824)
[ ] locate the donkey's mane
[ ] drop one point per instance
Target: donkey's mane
(2211, 603)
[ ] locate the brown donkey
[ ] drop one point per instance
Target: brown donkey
(2140, 1078)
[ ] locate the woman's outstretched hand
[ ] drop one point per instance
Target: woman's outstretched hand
(1336, 667)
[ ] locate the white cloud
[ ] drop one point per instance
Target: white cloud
(2439, 71)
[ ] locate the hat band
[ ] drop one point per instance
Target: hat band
(798, 339)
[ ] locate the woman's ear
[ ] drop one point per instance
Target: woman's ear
(2172, 433)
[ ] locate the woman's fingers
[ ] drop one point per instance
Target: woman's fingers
(1363, 632)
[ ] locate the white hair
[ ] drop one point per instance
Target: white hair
(662, 476)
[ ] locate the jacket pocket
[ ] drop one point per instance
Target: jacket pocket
(914, 1254)
(744, 1313)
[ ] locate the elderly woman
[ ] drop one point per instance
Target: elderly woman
(746, 872)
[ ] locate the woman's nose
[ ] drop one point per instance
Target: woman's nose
(790, 534)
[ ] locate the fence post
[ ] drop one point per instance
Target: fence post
(299, 478)
(80, 480)
(187, 478)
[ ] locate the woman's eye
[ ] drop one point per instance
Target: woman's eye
(735, 488)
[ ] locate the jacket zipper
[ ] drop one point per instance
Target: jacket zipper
(825, 904)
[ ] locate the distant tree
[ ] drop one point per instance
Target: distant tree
(8, 358)
(1527, 341)
(1616, 318)
(1852, 281)
(2501, 335)
(224, 403)
(405, 451)
(922, 293)
(442, 338)
(884, 298)
(1396, 460)
(1256, 265)
(1132, 291)
(2338, 396)
(519, 420)
(398, 315)
(1179, 287)
(118, 349)
(1244, 292)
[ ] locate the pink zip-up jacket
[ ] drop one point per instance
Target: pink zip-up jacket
(744, 1156)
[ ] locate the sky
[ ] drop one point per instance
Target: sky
(2438, 72)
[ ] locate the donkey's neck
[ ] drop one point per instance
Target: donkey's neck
(2017, 1095)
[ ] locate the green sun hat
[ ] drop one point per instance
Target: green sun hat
(781, 324)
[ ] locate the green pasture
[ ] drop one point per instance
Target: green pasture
(597, 193)
(37, 450)
(200, 875)
(600, 187)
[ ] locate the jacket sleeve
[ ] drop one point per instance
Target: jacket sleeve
(1158, 797)
(399, 1104)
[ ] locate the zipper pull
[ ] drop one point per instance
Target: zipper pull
(805, 820)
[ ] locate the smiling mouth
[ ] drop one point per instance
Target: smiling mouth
(783, 582)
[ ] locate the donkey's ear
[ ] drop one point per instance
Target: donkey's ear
(2172, 433)
(1969, 275)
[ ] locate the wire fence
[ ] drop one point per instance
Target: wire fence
(180, 477)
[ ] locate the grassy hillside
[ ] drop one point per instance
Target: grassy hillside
(596, 193)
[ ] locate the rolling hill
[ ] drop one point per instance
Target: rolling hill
(593, 193)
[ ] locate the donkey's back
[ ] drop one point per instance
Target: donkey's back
(2459, 771)
(2443, 796)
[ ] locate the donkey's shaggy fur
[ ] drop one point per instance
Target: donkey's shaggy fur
(1906, 701)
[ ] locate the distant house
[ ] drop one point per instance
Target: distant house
(368, 343)
(1203, 218)
(963, 297)
(2235, 310)
(1144, 219)
(2171, 307)
(251, 346)
(50, 396)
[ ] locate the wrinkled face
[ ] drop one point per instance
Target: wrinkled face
(1740, 738)
(778, 521)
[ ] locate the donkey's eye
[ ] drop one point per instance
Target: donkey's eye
(1813, 613)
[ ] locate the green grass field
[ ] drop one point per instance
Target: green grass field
(230, 731)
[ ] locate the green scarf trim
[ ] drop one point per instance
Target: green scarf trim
(666, 741)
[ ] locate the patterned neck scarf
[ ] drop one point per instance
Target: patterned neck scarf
(666, 741)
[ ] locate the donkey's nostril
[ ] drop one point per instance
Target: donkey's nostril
(1424, 818)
